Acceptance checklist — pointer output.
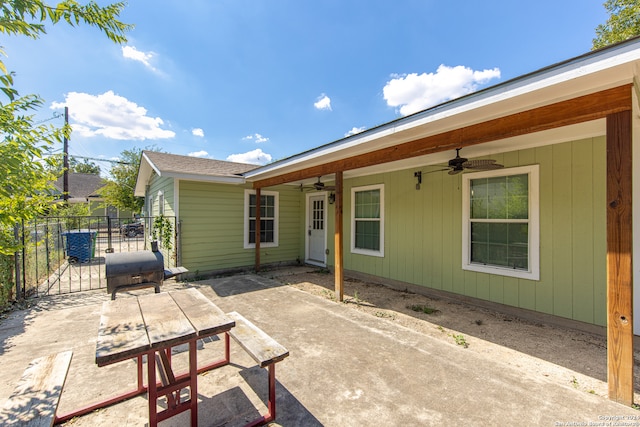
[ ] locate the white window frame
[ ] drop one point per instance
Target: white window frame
(276, 220)
(533, 272)
(354, 190)
(150, 216)
(160, 203)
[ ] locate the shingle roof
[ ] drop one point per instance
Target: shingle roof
(81, 185)
(195, 165)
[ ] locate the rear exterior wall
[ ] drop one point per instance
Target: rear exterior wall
(423, 232)
(212, 227)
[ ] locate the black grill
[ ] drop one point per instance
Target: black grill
(135, 270)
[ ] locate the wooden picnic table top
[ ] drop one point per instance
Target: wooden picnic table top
(136, 325)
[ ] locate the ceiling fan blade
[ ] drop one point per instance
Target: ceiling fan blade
(438, 170)
(479, 163)
(485, 166)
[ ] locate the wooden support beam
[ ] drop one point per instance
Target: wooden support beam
(338, 239)
(258, 218)
(619, 259)
(577, 110)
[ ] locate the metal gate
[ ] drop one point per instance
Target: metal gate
(67, 254)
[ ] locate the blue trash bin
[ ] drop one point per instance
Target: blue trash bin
(79, 245)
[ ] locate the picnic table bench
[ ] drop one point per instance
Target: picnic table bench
(265, 351)
(35, 399)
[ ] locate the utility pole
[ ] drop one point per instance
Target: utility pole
(65, 161)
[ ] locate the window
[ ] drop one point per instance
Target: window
(268, 219)
(367, 226)
(500, 233)
(150, 215)
(160, 203)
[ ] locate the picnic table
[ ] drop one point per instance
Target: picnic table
(150, 325)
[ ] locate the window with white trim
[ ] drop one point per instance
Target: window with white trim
(160, 203)
(500, 222)
(367, 220)
(150, 216)
(269, 201)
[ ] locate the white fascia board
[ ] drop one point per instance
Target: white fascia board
(147, 168)
(145, 171)
(483, 103)
(205, 178)
(153, 167)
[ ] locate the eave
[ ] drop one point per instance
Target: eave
(147, 169)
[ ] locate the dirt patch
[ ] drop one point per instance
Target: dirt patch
(575, 358)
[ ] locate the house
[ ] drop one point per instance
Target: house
(84, 188)
(550, 232)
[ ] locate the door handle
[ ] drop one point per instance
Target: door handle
(309, 232)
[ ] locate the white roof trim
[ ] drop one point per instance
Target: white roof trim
(147, 167)
(204, 178)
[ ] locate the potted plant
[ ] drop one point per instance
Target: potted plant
(163, 232)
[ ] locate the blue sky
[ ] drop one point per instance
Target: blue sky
(257, 81)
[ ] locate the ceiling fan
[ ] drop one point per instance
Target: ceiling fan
(459, 164)
(319, 186)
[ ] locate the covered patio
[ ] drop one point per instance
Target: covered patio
(584, 97)
(382, 371)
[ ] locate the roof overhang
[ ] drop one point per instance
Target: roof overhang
(588, 74)
(147, 169)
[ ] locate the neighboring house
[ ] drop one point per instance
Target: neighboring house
(85, 188)
(550, 233)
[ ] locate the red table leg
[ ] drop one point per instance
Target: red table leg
(108, 402)
(193, 374)
(153, 389)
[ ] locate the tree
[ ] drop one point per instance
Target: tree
(623, 23)
(119, 191)
(84, 167)
(25, 174)
(55, 164)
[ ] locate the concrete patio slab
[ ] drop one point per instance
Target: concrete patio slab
(346, 368)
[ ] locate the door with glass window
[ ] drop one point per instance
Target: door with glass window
(316, 229)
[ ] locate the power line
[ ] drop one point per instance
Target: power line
(73, 156)
(100, 160)
(55, 116)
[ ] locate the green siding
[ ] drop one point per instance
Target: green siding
(166, 186)
(212, 227)
(423, 233)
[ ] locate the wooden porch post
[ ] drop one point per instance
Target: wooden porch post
(619, 259)
(257, 249)
(339, 268)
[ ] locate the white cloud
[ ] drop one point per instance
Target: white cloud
(111, 116)
(130, 52)
(200, 153)
(256, 137)
(413, 92)
(254, 157)
(354, 130)
(323, 103)
(197, 132)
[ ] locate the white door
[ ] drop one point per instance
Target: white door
(316, 229)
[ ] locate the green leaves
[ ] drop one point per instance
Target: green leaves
(119, 191)
(25, 174)
(623, 23)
